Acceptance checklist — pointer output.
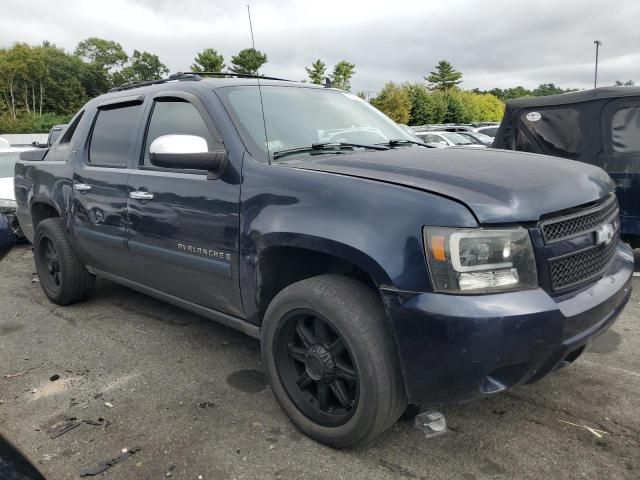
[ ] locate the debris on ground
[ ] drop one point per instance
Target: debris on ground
(431, 423)
(19, 374)
(205, 405)
(597, 433)
(67, 425)
(108, 404)
(53, 378)
(35, 278)
(110, 463)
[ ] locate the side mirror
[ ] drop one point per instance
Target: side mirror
(187, 152)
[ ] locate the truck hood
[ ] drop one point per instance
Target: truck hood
(498, 186)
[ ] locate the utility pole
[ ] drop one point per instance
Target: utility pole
(595, 78)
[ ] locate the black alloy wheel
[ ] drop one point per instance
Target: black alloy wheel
(50, 263)
(316, 368)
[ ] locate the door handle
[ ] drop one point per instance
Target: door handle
(141, 195)
(81, 187)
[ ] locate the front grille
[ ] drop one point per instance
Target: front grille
(581, 267)
(579, 222)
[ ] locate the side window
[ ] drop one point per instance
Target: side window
(68, 133)
(113, 136)
(557, 130)
(175, 116)
(625, 130)
(522, 142)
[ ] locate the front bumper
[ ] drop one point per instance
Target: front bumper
(455, 348)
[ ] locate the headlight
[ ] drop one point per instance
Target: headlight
(8, 204)
(473, 260)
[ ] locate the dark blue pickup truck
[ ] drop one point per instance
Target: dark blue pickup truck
(376, 271)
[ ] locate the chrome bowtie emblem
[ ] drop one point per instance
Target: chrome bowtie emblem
(605, 233)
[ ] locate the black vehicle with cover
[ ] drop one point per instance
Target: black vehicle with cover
(599, 126)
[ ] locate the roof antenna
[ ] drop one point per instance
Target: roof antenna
(264, 121)
(253, 43)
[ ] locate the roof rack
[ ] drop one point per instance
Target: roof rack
(189, 76)
(231, 74)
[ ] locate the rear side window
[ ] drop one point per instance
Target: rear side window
(175, 117)
(557, 130)
(68, 133)
(113, 136)
(625, 130)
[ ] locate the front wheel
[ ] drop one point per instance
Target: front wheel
(332, 361)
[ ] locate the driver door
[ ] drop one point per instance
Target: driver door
(184, 227)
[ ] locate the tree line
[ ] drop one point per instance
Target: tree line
(41, 85)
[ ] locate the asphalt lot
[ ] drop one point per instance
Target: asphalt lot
(191, 395)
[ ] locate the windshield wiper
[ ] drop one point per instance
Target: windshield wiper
(318, 147)
(403, 141)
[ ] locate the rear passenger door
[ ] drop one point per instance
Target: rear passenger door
(101, 166)
(185, 227)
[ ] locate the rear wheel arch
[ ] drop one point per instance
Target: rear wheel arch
(41, 211)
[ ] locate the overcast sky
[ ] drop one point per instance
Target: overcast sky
(494, 43)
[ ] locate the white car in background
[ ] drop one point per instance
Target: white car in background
(447, 139)
(8, 157)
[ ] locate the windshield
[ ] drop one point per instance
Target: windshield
(7, 162)
(456, 138)
(298, 117)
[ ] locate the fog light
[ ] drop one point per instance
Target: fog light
(490, 279)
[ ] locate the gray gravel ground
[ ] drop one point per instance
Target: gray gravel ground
(191, 394)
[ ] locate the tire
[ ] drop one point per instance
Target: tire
(63, 277)
(354, 411)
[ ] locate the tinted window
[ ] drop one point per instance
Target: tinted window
(175, 117)
(522, 142)
(625, 130)
(113, 136)
(68, 133)
(557, 130)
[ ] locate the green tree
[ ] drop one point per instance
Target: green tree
(316, 71)
(457, 111)
(208, 60)
(548, 89)
(248, 61)
(342, 73)
(444, 77)
(143, 66)
(395, 102)
(105, 53)
(628, 83)
(426, 107)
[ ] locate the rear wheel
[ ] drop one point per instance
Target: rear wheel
(331, 360)
(63, 277)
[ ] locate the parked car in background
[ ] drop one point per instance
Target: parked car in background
(478, 138)
(449, 139)
(8, 158)
(7, 240)
(490, 131)
(55, 133)
(599, 126)
(375, 271)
